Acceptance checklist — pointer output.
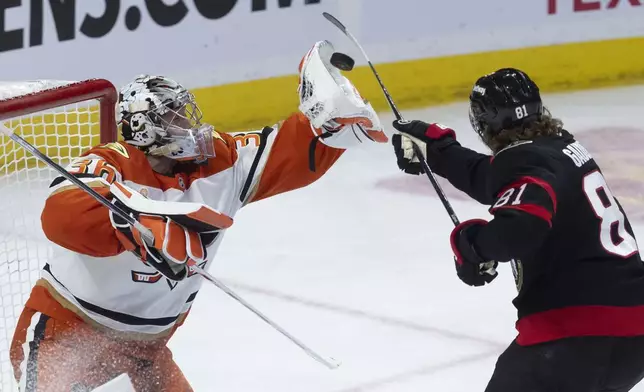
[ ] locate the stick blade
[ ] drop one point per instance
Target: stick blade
(335, 21)
(333, 363)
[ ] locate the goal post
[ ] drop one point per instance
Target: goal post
(25, 98)
(62, 119)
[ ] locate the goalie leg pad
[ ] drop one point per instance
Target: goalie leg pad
(59, 352)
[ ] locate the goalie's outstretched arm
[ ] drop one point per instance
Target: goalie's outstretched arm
(282, 162)
(298, 151)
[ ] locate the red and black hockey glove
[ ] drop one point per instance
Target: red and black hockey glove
(471, 268)
(431, 138)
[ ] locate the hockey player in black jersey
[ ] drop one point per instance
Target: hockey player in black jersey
(577, 267)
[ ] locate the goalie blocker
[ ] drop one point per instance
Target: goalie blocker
(181, 231)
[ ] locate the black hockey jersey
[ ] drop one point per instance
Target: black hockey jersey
(573, 252)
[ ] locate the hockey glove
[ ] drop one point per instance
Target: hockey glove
(173, 244)
(181, 231)
(340, 117)
(471, 268)
(431, 138)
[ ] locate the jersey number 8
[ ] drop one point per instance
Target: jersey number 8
(611, 217)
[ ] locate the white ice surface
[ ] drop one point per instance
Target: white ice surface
(359, 267)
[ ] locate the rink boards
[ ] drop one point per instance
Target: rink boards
(432, 81)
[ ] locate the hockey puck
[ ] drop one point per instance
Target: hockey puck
(342, 61)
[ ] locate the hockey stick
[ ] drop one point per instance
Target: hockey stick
(489, 266)
(149, 238)
(399, 117)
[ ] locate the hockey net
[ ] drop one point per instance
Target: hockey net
(61, 119)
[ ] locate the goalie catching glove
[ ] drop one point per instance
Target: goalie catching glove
(339, 116)
(181, 231)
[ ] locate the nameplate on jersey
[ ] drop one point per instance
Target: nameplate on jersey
(577, 153)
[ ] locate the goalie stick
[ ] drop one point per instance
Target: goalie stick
(489, 267)
(149, 238)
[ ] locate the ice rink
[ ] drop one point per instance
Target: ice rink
(359, 267)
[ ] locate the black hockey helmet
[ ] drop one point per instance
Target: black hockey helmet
(505, 99)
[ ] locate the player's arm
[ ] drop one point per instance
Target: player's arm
(75, 220)
(72, 218)
(301, 149)
(277, 159)
(467, 170)
(523, 216)
(524, 208)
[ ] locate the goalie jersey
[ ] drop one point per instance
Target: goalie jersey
(92, 274)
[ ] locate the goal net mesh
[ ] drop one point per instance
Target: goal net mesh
(67, 119)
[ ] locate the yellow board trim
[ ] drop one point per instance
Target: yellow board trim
(426, 82)
(413, 84)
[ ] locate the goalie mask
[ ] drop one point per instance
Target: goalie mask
(161, 118)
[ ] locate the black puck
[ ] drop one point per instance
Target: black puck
(342, 61)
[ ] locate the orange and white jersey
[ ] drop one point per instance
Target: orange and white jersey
(93, 275)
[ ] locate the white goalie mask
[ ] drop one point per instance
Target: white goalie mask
(161, 117)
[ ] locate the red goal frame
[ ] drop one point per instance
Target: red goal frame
(99, 89)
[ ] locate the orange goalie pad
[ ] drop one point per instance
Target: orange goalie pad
(58, 352)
